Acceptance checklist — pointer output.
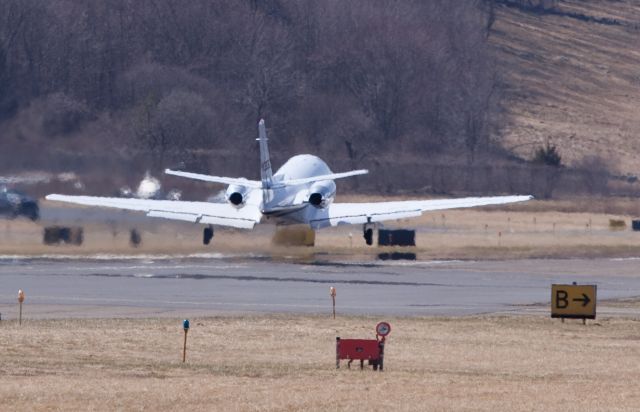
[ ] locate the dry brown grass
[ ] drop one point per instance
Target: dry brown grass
(287, 363)
(572, 82)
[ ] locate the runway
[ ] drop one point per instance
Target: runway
(213, 284)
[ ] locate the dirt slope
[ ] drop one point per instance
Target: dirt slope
(573, 76)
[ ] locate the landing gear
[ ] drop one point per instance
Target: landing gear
(367, 230)
(207, 235)
(368, 236)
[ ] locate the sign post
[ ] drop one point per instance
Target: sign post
(573, 301)
(20, 300)
(185, 326)
(332, 292)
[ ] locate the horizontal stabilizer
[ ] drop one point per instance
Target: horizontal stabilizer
(331, 176)
(216, 179)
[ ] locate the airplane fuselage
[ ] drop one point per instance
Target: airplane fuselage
(287, 202)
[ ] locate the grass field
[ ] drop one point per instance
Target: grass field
(286, 363)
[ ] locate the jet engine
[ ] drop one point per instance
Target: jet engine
(236, 195)
(321, 193)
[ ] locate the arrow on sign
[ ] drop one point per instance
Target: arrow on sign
(585, 300)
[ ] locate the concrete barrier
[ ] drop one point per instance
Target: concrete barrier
(397, 237)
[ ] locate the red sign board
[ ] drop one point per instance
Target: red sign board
(358, 349)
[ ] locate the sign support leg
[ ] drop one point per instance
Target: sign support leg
(184, 348)
(334, 307)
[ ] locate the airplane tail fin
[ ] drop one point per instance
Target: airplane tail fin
(265, 164)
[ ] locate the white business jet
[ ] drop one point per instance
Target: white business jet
(300, 192)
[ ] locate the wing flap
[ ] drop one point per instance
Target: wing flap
(187, 217)
(336, 220)
(354, 213)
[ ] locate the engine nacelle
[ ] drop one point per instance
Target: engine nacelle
(321, 193)
(236, 195)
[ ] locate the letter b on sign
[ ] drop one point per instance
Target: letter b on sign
(561, 299)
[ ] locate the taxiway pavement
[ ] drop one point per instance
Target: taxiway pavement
(196, 286)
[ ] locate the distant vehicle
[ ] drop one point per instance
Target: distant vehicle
(301, 191)
(14, 204)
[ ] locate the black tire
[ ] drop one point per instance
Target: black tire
(368, 236)
(207, 235)
(134, 238)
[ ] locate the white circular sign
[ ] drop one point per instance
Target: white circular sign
(383, 328)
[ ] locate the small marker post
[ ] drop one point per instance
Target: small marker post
(332, 292)
(20, 300)
(185, 326)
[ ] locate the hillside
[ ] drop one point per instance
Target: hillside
(573, 77)
(433, 97)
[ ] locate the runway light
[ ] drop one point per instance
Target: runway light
(20, 300)
(332, 292)
(185, 326)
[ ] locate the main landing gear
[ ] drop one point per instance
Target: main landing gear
(367, 230)
(207, 235)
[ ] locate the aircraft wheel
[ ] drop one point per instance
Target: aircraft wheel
(207, 235)
(368, 236)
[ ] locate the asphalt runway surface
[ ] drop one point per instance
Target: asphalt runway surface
(212, 285)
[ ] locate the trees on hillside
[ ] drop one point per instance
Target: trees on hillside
(184, 80)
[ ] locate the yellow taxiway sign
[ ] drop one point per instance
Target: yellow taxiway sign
(573, 301)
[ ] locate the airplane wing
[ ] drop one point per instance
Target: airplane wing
(355, 213)
(221, 214)
(216, 179)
